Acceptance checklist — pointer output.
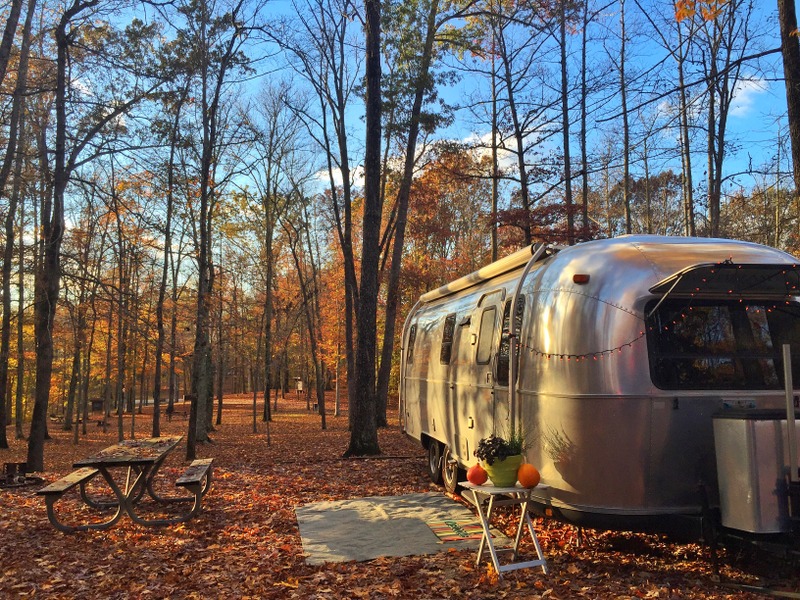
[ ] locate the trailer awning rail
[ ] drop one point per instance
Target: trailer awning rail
(513, 261)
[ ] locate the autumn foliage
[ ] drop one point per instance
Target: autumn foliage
(246, 542)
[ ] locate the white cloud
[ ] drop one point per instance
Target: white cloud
(506, 158)
(746, 95)
(356, 177)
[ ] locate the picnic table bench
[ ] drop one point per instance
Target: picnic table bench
(142, 459)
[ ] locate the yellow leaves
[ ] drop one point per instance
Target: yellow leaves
(246, 543)
(709, 9)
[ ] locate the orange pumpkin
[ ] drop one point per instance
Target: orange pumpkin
(477, 475)
(528, 475)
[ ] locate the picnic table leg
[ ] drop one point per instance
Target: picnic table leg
(50, 500)
(92, 502)
(158, 497)
(127, 498)
(143, 480)
(196, 497)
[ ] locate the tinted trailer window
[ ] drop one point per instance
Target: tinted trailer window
(721, 344)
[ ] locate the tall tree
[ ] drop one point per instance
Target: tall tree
(626, 143)
(363, 402)
(275, 149)
(16, 131)
(175, 105)
(416, 53)
(71, 144)
(214, 41)
(726, 37)
(790, 50)
(324, 51)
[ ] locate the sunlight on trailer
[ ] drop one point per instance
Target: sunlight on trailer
(623, 360)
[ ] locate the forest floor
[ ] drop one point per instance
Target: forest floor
(246, 542)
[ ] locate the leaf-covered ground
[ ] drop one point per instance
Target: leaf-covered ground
(246, 543)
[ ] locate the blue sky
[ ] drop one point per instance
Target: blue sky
(756, 121)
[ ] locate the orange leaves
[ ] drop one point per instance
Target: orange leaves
(709, 9)
(246, 542)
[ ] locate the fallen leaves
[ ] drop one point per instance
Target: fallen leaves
(246, 542)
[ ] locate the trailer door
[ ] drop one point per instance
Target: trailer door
(485, 352)
(492, 359)
(502, 412)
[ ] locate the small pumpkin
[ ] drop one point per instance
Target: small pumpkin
(528, 475)
(477, 475)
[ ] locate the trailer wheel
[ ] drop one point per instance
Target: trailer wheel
(451, 472)
(435, 461)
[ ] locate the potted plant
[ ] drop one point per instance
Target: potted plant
(501, 457)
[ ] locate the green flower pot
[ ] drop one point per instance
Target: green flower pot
(503, 473)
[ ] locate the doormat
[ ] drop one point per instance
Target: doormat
(454, 530)
(362, 529)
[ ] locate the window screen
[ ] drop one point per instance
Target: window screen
(503, 359)
(722, 344)
(447, 339)
(412, 337)
(486, 335)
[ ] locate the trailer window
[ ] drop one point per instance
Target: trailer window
(486, 335)
(412, 337)
(503, 359)
(447, 339)
(722, 344)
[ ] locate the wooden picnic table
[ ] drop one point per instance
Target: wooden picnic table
(142, 460)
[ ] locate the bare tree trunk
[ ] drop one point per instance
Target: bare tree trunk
(173, 334)
(363, 408)
(495, 165)
(15, 140)
(713, 196)
(19, 433)
(9, 33)
(162, 287)
(122, 330)
(686, 156)
(519, 134)
(220, 368)
(403, 194)
(565, 127)
(268, 315)
(626, 147)
(584, 159)
(790, 49)
(74, 379)
(48, 275)
(107, 376)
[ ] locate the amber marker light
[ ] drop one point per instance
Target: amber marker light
(580, 278)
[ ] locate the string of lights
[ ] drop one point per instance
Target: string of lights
(723, 270)
(598, 355)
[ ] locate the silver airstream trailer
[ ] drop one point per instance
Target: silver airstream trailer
(643, 370)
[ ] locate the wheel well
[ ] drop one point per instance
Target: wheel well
(427, 440)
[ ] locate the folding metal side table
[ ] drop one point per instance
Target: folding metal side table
(505, 496)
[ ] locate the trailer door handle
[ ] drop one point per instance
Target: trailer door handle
(488, 377)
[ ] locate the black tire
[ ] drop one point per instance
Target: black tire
(435, 461)
(452, 473)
